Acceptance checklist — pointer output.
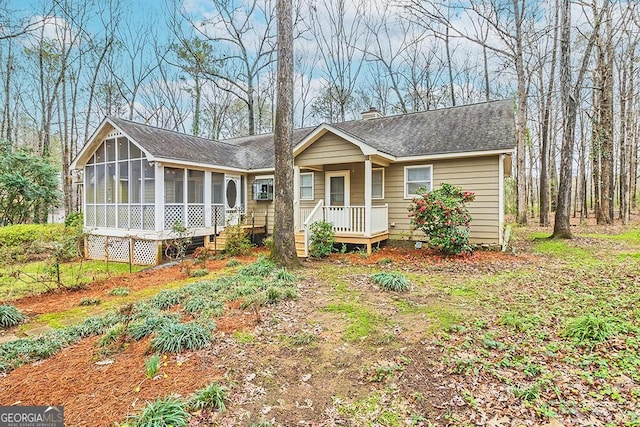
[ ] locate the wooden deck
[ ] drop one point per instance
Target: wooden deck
(353, 239)
(218, 243)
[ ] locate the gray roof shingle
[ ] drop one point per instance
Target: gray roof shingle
(485, 126)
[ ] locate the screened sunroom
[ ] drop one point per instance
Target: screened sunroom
(133, 201)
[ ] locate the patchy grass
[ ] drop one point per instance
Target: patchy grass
(361, 322)
(36, 277)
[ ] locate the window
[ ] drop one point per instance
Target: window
(416, 177)
(263, 189)
(306, 186)
(217, 183)
(195, 186)
(377, 183)
(173, 185)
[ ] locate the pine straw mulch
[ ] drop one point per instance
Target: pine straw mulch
(63, 298)
(96, 390)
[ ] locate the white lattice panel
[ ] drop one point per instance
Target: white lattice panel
(217, 215)
(173, 214)
(136, 217)
(145, 251)
(195, 215)
(111, 216)
(123, 217)
(118, 249)
(90, 216)
(149, 219)
(95, 246)
(100, 216)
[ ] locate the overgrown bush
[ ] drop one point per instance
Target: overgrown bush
(10, 316)
(237, 241)
(178, 337)
(209, 397)
(392, 281)
(321, 240)
(22, 242)
(442, 215)
(165, 412)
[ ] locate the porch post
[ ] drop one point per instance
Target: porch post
(296, 198)
(159, 196)
(367, 197)
(207, 199)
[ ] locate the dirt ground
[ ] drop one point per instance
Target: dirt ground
(396, 373)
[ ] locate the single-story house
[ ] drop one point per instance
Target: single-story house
(359, 175)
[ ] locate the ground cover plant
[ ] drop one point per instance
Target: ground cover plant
(548, 336)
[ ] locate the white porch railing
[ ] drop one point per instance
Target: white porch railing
(379, 219)
(346, 219)
(316, 214)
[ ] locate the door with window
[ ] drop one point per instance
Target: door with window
(233, 195)
(337, 189)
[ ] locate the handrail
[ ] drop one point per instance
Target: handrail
(310, 220)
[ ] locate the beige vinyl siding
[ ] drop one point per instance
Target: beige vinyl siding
(329, 149)
(478, 174)
(259, 207)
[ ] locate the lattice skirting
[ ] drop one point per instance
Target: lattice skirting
(118, 248)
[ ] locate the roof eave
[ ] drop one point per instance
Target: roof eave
(462, 154)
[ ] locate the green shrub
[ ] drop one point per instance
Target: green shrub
(442, 215)
(261, 268)
(120, 292)
(10, 316)
(162, 413)
(200, 272)
(152, 365)
(166, 299)
(201, 304)
(233, 262)
(321, 240)
(150, 324)
(590, 328)
(21, 241)
(392, 281)
(178, 337)
(209, 397)
(237, 241)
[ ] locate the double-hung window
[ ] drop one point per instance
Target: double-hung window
(306, 186)
(416, 177)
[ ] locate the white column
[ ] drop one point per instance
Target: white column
(296, 198)
(367, 197)
(207, 199)
(159, 198)
(185, 198)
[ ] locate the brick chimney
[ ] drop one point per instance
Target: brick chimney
(373, 113)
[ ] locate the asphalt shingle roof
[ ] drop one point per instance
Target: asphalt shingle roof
(485, 126)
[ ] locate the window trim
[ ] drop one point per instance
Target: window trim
(406, 180)
(381, 183)
(313, 191)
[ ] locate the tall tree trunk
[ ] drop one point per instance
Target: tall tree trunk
(449, 67)
(521, 118)
(545, 151)
(284, 248)
(251, 107)
(569, 97)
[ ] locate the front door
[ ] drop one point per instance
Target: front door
(337, 196)
(232, 199)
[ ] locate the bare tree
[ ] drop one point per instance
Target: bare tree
(570, 96)
(284, 248)
(507, 20)
(339, 33)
